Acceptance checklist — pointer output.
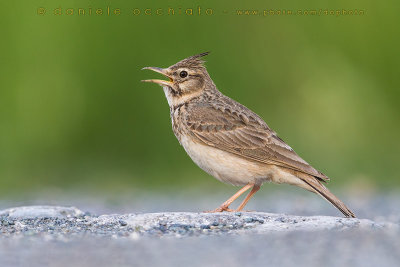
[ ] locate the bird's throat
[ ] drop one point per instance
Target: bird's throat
(175, 99)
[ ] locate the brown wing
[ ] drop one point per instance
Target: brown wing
(240, 131)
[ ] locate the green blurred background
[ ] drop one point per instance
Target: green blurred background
(74, 114)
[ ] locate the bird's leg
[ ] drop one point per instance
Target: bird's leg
(225, 205)
(252, 192)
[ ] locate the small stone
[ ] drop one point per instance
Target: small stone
(249, 220)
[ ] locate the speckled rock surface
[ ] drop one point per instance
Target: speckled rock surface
(67, 236)
(63, 222)
(35, 212)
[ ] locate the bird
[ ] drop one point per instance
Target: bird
(229, 141)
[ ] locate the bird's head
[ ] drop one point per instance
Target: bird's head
(187, 78)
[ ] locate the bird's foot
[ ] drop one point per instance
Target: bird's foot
(245, 210)
(220, 209)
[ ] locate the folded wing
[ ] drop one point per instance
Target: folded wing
(240, 131)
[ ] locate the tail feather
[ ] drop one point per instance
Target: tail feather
(320, 189)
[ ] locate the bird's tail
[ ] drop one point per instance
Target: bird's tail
(317, 187)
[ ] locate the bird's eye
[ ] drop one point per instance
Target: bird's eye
(183, 74)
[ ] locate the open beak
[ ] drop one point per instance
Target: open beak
(160, 82)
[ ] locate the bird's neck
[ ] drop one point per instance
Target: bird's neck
(180, 99)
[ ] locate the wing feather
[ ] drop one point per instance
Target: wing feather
(241, 132)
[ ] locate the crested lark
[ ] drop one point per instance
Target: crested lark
(228, 140)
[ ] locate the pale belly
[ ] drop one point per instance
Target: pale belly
(227, 167)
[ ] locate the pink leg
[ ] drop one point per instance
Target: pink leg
(225, 205)
(252, 192)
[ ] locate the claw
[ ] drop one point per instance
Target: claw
(220, 209)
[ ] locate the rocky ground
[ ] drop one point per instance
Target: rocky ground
(38, 235)
(52, 222)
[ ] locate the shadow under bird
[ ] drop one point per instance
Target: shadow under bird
(228, 140)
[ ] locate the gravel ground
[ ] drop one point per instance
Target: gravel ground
(63, 236)
(54, 222)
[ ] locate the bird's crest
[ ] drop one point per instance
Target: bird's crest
(195, 61)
